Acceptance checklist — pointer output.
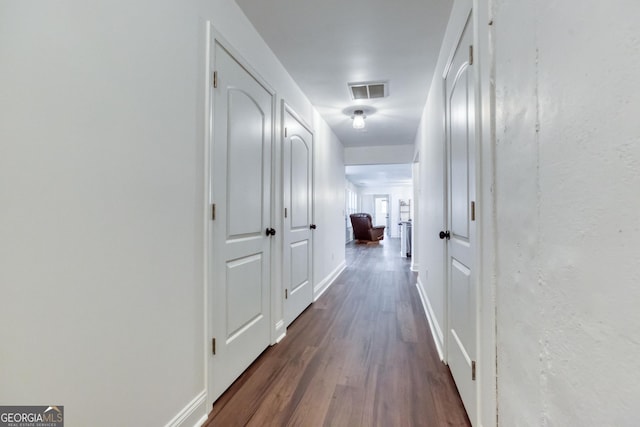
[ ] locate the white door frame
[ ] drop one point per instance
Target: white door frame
(388, 219)
(214, 36)
(486, 228)
(417, 226)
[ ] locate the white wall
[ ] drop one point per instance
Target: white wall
(330, 184)
(102, 198)
(567, 180)
(103, 206)
(379, 155)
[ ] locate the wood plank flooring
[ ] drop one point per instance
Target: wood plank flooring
(361, 355)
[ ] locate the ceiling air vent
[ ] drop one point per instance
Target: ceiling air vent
(368, 90)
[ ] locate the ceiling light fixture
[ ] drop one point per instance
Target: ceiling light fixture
(358, 119)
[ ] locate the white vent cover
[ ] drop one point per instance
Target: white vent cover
(368, 90)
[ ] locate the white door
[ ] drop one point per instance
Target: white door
(241, 191)
(381, 211)
(298, 216)
(460, 111)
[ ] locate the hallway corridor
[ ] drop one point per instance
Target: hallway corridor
(362, 355)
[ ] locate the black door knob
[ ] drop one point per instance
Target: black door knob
(270, 232)
(312, 226)
(445, 235)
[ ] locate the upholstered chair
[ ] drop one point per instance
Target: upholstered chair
(364, 230)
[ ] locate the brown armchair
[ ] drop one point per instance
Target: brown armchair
(363, 228)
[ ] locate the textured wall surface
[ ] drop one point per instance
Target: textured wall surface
(567, 189)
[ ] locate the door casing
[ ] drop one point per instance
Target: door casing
(387, 223)
(475, 245)
(288, 292)
(213, 37)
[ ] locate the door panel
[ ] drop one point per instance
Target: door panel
(299, 265)
(297, 197)
(459, 146)
(462, 294)
(246, 155)
(460, 111)
(241, 190)
(244, 294)
(300, 181)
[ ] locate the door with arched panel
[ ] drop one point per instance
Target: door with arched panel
(461, 230)
(240, 250)
(297, 153)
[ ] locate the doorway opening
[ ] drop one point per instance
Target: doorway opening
(381, 212)
(384, 191)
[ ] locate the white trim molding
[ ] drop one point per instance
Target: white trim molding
(201, 421)
(192, 414)
(436, 332)
(321, 287)
(281, 331)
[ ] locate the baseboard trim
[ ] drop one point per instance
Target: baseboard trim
(436, 332)
(201, 421)
(322, 287)
(281, 331)
(192, 415)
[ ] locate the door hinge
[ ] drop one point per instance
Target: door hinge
(213, 345)
(473, 370)
(213, 211)
(471, 55)
(285, 212)
(285, 132)
(215, 79)
(473, 211)
(286, 293)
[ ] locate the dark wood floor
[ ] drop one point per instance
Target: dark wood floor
(362, 355)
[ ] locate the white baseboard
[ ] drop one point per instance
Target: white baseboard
(281, 331)
(201, 421)
(321, 287)
(192, 415)
(436, 332)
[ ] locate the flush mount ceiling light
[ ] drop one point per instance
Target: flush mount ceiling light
(358, 119)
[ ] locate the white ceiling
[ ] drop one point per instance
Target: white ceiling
(324, 44)
(379, 175)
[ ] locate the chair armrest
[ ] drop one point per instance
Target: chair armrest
(377, 233)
